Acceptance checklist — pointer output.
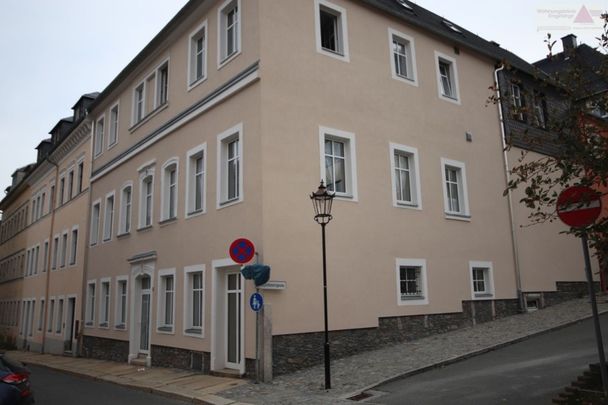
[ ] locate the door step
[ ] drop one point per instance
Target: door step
(139, 361)
(227, 372)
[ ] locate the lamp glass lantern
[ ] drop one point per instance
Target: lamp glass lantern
(322, 202)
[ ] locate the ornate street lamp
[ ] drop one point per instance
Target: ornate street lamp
(321, 201)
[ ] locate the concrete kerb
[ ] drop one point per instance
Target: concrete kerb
(213, 400)
(465, 356)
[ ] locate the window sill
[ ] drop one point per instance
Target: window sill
(89, 324)
(164, 222)
(165, 330)
(110, 146)
(123, 235)
(334, 54)
(194, 332)
(104, 325)
(121, 327)
(451, 99)
(147, 118)
(197, 82)
(195, 213)
(345, 197)
(404, 79)
(411, 206)
(457, 217)
(482, 296)
(228, 203)
(144, 228)
(413, 300)
(226, 60)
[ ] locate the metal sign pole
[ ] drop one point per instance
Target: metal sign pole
(596, 319)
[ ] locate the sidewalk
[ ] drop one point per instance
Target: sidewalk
(350, 376)
(179, 384)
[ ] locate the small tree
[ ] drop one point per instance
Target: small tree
(580, 136)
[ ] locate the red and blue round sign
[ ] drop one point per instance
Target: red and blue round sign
(242, 250)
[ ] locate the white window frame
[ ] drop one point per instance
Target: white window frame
(55, 252)
(192, 155)
(79, 175)
(41, 315)
(149, 172)
(108, 227)
(94, 232)
(393, 35)
(36, 254)
(118, 303)
(50, 320)
(61, 307)
(113, 129)
(105, 323)
(99, 137)
(453, 77)
(421, 263)
(161, 326)
(350, 155)
(70, 183)
(412, 154)
(342, 29)
(64, 249)
(223, 140)
(187, 310)
(46, 252)
(135, 119)
(90, 308)
(157, 84)
(122, 221)
(74, 246)
(463, 196)
(165, 184)
(194, 81)
(222, 57)
(489, 281)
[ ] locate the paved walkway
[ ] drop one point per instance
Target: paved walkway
(364, 371)
(350, 375)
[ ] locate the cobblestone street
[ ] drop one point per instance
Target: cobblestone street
(353, 374)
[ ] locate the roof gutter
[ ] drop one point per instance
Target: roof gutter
(520, 297)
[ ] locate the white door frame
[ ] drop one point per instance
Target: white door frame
(69, 323)
(218, 314)
(240, 290)
(134, 297)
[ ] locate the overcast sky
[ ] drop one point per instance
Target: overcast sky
(55, 51)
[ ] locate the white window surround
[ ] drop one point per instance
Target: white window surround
(113, 130)
(136, 116)
(157, 76)
(223, 139)
(45, 255)
(488, 279)
(90, 303)
(192, 79)
(463, 194)
(41, 315)
(118, 303)
(64, 248)
(165, 183)
(223, 59)
(108, 223)
(55, 252)
(342, 29)
(200, 150)
(104, 312)
(415, 186)
(123, 221)
(161, 327)
(187, 312)
(412, 78)
(143, 175)
(350, 152)
(50, 315)
(95, 218)
(99, 136)
(453, 77)
(420, 263)
(61, 307)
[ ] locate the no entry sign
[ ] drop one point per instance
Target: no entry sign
(242, 250)
(579, 206)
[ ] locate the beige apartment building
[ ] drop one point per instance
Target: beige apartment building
(43, 248)
(223, 125)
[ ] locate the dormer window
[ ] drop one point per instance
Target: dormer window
(451, 26)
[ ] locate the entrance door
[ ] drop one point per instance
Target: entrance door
(233, 320)
(69, 325)
(144, 339)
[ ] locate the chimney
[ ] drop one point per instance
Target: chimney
(569, 42)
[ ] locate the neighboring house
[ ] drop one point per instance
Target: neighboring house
(43, 255)
(226, 121)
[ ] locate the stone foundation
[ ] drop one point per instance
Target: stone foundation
(105, 349)
(294, 352)
(174, 357)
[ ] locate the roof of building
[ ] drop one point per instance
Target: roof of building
(583, 58)
(90, 96)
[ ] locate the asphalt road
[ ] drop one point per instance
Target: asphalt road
(55, 388)
(530, 372)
